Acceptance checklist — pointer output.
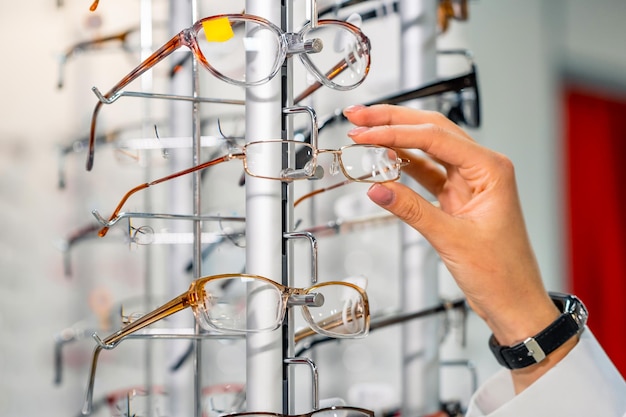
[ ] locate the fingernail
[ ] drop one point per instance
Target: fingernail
(358, 130)
(354, 108)
(380, 195)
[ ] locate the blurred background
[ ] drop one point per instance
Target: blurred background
(553, 98)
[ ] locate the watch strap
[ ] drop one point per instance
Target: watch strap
(535, 349)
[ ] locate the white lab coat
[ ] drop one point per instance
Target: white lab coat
(583, 384)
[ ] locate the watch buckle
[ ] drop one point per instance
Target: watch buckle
(534, 349)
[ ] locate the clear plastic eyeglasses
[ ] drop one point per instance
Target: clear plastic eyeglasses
(243, 303)
(358, 162)
(336, 53)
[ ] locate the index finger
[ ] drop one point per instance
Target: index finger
(387, 114)
(427, 131)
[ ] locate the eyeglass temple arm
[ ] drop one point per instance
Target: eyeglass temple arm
(177, 304)
(435, 88)
(334, 71)
(320, 191)
(195, 168)
(148, 63)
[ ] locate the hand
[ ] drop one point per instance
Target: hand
(478, 228)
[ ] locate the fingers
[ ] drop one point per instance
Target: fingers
(384, 114)
(428, 131)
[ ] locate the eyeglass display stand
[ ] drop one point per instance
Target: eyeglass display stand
(269, 207)
(420, 347)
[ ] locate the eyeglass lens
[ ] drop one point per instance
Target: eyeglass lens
(368, 163)
(228, 42)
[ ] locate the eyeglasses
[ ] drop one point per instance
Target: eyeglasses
(243, 303)
(336, 53)
(358, 162)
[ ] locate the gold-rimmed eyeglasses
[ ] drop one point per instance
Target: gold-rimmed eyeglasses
(245, 303)
(358, 162)
(256, 50)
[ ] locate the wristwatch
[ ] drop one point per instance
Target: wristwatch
(535, 349)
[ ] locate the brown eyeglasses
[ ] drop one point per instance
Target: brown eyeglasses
(254, 56)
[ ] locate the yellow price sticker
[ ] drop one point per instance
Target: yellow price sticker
(218, 30)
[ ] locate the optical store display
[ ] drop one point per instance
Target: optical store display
(234, 304)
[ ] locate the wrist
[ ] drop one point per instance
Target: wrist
(537, 346)
(513, 324)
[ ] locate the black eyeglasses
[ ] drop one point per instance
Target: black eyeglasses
(458, 98)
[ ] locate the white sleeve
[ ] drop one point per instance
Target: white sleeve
(585, 383)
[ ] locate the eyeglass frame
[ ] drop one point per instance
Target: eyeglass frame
(193, 298)
(304, 174)
(187, 37)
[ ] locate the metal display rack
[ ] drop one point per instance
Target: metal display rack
(269, 217)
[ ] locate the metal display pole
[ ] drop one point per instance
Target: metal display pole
(420, 339)
(265, 220)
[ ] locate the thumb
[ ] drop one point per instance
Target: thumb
(409, 206)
